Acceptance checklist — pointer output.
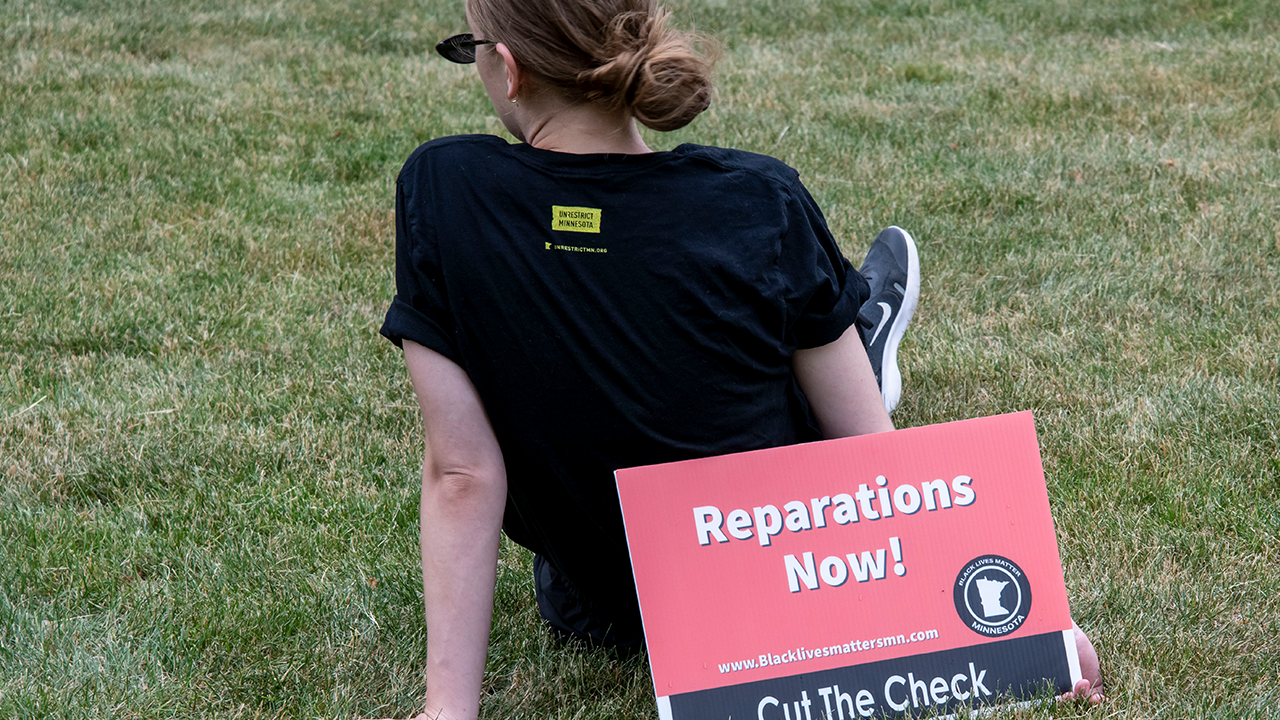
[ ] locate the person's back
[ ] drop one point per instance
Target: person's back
(615, 311)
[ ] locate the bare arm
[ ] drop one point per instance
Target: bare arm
(464, 488)
(841, 387)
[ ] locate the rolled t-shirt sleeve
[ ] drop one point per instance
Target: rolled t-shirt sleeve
(824, 292)
(420, 310)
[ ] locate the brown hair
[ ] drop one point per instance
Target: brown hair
(616, 53)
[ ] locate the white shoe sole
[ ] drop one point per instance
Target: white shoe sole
(890, 376)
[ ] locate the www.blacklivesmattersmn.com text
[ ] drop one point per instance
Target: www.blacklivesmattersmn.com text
(801, 654)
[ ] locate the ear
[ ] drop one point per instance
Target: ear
(515, 75)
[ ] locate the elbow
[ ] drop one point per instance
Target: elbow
(465, 483)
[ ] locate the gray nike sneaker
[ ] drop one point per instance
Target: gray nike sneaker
(892, 268)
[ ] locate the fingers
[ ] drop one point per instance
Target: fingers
(1084, 691)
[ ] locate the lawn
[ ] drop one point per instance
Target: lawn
(209, 460)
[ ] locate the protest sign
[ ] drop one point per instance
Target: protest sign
(899, 573)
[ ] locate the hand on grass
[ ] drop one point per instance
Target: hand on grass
(1089, 688)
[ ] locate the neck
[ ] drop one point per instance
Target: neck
(584, 129)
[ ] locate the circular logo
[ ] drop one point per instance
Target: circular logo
(993, 595)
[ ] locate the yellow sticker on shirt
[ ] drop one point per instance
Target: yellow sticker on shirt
(575, 219)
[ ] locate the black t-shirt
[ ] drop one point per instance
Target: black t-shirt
(614, 311)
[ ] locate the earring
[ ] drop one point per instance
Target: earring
(513, 100)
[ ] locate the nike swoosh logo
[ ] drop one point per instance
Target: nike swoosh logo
(883, 321)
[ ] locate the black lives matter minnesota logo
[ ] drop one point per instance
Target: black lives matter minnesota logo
(993, 595)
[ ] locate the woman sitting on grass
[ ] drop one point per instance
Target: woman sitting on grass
(577, 303)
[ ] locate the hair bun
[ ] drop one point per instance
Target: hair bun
(616, 53)
(651, 69)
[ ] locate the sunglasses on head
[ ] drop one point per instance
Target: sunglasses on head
(460, 48)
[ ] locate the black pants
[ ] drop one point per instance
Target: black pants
(573, 618)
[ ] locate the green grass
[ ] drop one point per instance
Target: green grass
(209, 458)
